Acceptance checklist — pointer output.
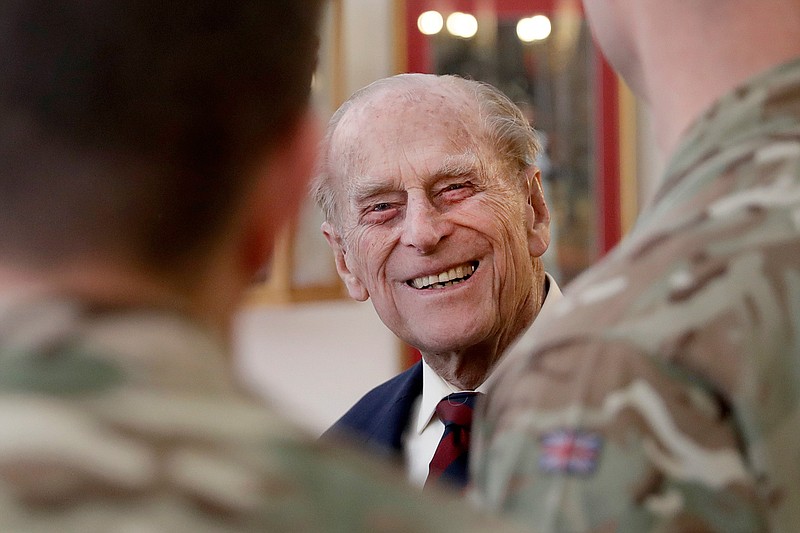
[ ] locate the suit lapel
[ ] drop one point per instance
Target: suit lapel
(394, 418)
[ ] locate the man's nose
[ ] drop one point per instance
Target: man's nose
(424, 225)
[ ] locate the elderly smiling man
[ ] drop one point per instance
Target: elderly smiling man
(434, 211)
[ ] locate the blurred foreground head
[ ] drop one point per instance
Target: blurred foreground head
(149, 136)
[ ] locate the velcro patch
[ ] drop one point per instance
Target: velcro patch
(569, 451)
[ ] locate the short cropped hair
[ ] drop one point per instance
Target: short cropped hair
(505, 129)
(132, 126)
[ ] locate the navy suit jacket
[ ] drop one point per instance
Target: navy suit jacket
(379, 419)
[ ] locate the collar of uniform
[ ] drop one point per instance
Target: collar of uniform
(736, 117)
(150, 347)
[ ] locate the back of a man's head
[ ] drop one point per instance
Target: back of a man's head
(130, 128)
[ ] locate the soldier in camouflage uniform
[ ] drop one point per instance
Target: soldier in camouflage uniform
(662, 393)
(150, 152)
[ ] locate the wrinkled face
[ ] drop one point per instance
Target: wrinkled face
(435, 229)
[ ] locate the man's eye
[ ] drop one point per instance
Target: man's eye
(457, 191)
(383, 206)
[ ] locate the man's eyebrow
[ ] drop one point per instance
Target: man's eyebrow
(363, 188)
(458, 165)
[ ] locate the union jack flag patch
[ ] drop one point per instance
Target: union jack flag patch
(566, 451)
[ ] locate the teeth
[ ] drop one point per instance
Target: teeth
(444, 279)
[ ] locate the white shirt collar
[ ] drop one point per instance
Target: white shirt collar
(551, 298)
(434, 388)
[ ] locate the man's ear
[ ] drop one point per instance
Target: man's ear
(537, 215)
(278, 192)
(355, 288)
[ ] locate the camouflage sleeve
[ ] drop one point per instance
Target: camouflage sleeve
(354, 494)
(664, 393)
(131, 423)
(132, 460)
(596, 437)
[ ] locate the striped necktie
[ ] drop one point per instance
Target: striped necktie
(451, 459)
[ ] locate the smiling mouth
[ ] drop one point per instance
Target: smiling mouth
(445, 279)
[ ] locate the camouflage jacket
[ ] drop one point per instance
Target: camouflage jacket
(128, 421)
(663, 394)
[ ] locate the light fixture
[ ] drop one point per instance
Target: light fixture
(430, 22)
(536, 28)
(462, 24)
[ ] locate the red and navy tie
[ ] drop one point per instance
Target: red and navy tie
(451, 459)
